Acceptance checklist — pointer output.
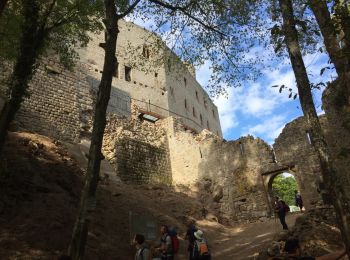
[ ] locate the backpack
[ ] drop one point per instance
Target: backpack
(202, 247)
(175, 242)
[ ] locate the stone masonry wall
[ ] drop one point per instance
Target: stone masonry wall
(293, 148)
(138, 150)
(140, 162)
(336, 103)
(235, 168)
(57, 103)
(225, 175)
(60, 102)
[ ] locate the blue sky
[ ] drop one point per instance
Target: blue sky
(260, 110)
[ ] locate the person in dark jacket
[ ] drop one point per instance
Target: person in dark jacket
(191, 238)
(298, 200)
(280, 211)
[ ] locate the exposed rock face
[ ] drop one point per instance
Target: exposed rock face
(316, 231)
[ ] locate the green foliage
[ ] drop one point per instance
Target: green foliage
(284, 188)
(66, 25)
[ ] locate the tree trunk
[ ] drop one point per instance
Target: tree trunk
(331, 40)
(343, 16)
(31, 42)
(334, 188)
(2, 6)
(88, 199)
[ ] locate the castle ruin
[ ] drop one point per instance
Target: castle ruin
(163, 128)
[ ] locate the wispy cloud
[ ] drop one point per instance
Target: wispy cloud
(269, 128)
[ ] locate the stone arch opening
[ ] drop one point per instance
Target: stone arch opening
(284, 173)
(284, 185)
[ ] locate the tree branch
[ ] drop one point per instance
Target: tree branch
(129, 10)
(184, 11)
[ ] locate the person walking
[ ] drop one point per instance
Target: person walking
(298, 200)
(280, 210)
(200, 249)
(165, 248)
(191, 238)
(142, 250)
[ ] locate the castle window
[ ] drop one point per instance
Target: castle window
(201, 118)
(309, 137)
(185, 82)
(145, 51)
(213, 113)
(194, 112)
(241, 148)
(185, 103)
(197, 95)
(205, 103)
(127, 73)
(156, 75)
(169, 64)
(208, 127)
(116, 71)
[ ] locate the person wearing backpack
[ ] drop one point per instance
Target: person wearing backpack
(191, 238)
(281, 209)
(165, 247)
(142, 251)
(200, 248)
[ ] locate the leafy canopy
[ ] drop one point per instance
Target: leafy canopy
(66, 23)
(284, 188)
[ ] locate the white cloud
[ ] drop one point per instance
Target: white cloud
(270, 128)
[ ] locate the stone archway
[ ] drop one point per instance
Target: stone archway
(268, 178)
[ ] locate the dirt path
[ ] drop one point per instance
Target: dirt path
(242, 241)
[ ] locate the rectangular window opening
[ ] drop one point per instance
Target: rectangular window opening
(127, 73)
(197, 95)
(309, 137)
(274, 156)
(185, 104)
(145, 51)
(241, 148)
(194, 112)
(116, 71)
(185, 82)
(169, 65)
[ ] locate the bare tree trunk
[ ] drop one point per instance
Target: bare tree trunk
(334, 188)
(331, 40)
(30, 45)
(88, 199)
(2, 6)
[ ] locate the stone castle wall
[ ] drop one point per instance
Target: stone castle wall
(336, 103)
(138, 150)
(293, 148)
(57, 102)
(61, 102)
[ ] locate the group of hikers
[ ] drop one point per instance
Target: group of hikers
(281, 208)
(168, 245)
